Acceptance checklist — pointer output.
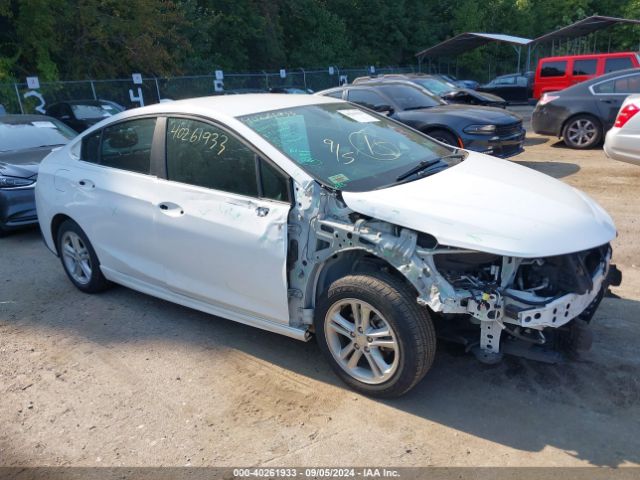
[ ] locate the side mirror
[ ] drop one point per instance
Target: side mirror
(382, 108)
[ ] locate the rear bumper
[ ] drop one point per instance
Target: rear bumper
(623, 146)
(547, 120)
(17, 208)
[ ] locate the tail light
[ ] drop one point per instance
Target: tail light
(546, 98)
(625, 114)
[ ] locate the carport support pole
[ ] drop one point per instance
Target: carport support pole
(15, 85)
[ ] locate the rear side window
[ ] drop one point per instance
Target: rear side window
(203, 155)
(554, 69)
(622, 85)
(615, 64)
(127, 145)
(585, 67)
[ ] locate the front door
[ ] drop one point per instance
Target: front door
(222, 221)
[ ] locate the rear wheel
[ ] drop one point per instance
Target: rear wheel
(374, 334)
(444, 137)
(582, 131)
(79, 259)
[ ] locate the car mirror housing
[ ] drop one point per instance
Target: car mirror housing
(384, 108)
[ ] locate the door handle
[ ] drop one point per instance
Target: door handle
(262, 211)
(171, 209)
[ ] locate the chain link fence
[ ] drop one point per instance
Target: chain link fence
(18, 98)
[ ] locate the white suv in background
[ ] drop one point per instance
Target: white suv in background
(623, 140)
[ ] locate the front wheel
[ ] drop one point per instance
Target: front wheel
(444, 137)
(374, 334)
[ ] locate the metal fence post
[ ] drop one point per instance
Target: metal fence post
(304, 77)
(15, 85)
(157, 88)
(93, 89)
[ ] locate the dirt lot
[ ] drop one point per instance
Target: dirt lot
(124, 379)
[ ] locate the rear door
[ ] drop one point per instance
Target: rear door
(112, 189)
(611, 93)
(222, 221)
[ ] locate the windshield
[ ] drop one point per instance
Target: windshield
(345, 147)
(94, 112)
(22, 135)
(434, 85)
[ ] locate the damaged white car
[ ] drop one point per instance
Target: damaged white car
(307, 215)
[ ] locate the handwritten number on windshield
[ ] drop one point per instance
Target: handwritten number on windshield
(346, 157)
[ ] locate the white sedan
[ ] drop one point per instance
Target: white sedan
(308, 215)
(623, 140)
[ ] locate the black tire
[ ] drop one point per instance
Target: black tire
(95, 282)
(410, 323)
(575, 141)
(444, 136)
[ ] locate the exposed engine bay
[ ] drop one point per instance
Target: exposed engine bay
(532, 307)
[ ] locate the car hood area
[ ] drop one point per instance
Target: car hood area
(22, 163)
(492, 205)
(476, 113)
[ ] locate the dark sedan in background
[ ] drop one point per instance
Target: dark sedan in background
(442, 88)
(24, 141)
(483, 129)
(583, 113)
(81, 114)
(514, 88)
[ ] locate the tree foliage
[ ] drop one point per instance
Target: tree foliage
(78, 39)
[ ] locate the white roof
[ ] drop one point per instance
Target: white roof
(236, 105)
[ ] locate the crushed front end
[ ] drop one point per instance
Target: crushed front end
(536, 308)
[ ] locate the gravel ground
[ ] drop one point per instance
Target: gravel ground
(123, 379)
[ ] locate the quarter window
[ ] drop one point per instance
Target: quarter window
(206, 156)
(90, 151)
(127, 145)
(614, 64)
(585, 67)
(553, 69)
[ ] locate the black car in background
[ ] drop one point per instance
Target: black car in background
(483, 129)
(442, 88)
(583, 113)
(24, 141)
(514, 88)
(81, 114)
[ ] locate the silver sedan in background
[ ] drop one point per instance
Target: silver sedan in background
(623, 140)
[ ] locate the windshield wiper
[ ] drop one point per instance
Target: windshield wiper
(425, 164)
(418, 107)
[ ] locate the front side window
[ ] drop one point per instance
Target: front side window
(510, 80)
(615, 64)
(345, 147)
(127, 145)
(585, 67)
(554, 69)
(203, 155)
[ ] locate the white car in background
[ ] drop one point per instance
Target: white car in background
(304, 215)
(623, 140)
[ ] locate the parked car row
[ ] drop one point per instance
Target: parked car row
(582, 114)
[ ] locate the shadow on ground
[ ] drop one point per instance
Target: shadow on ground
(588, 408)
(553, 169)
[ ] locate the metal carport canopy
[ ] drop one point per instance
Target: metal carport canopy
(583, 27)
(468, 41)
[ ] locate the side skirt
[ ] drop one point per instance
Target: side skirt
(217, 310)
